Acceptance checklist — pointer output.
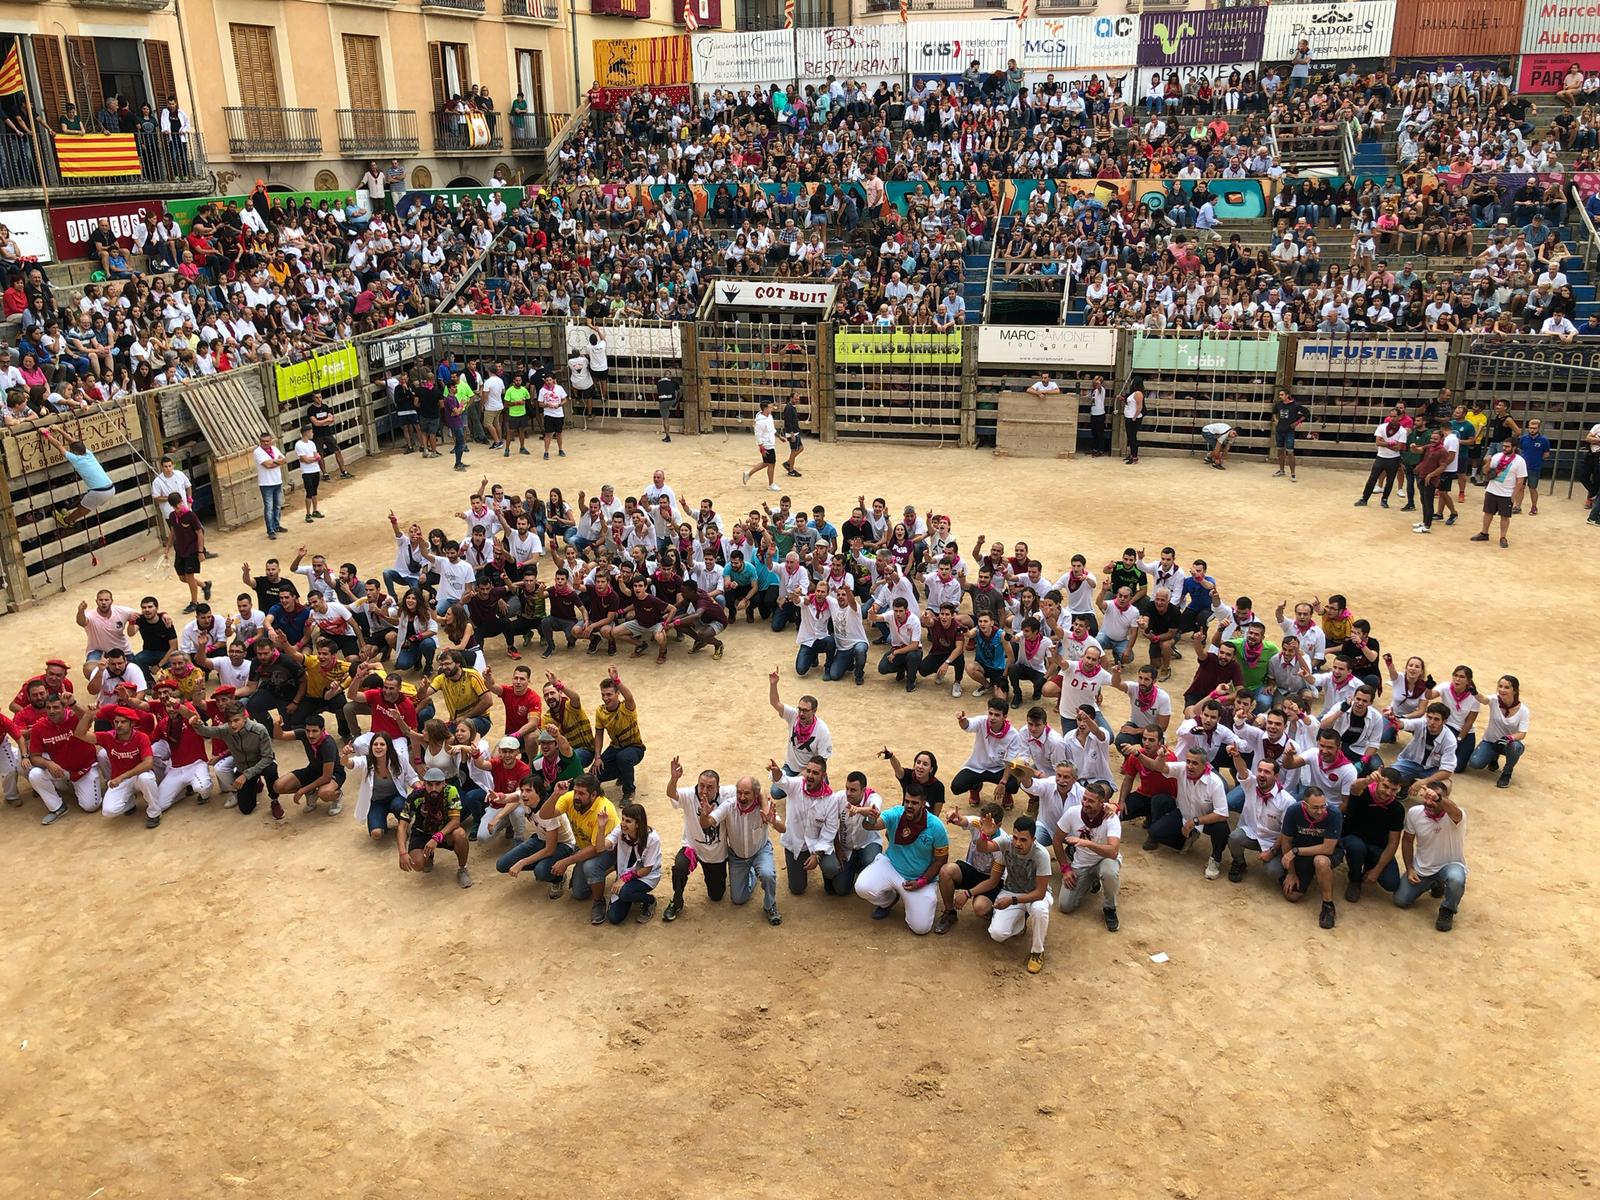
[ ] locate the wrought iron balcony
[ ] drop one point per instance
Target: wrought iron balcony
(454, 133)
(364, 131)
(273, 132)
(471, 6)
(537, 130)
(534, 10)
(167, 164)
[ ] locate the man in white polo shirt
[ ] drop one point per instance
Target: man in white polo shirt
(1433, 848)
(766, 432)
(1507, 476)
(1201, 808)
(1088, 842)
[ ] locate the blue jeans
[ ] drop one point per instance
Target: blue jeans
(1236, 799)
(1454, 878)
(1119, 646)
(844, 883)
(589, 876)
(743, 873)
(852, 659)
(420, 654)
(272, 506)
(1361, 856)
(460, 446)
(806, 656)
(392, 577)
(618, 763)
(1409, 770)
(1489, 754)
(635, 891)
(784, 614)
(378, 814)
(527, 849)
(427, 712)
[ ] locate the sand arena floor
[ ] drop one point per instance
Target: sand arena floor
(230, 1006)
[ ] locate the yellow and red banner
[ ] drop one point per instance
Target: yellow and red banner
(642, 62)
(97, 155)
(11, 81)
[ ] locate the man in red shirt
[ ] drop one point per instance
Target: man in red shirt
(524, 710)
(508, 771)
(394, 714)
(190, 767)
(59, 762)
(56, 681)
(1140, 785)
(129, 763)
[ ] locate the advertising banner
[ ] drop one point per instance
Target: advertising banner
(72, 225)
(1543, 74)
(629, 341)
(1197, 37)
(1205, 354)
(899, 347)
(1046, 346)
(642, 62)
(27, 227)
(1349, 356)
(772, 294)
(1087, 43)
(1561, 27)
(1336, 32)
(852, 51)
(944, 48)
(316, 373)
(732, 59)
(184, 210)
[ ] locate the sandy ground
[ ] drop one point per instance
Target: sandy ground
(232, 1006)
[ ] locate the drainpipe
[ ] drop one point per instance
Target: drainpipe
(577, 84)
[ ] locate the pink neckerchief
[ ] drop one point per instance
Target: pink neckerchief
(1433, 816)
(1078, 669)
(1339, 760)
(1457, 697)
(1199, 777)
(1252, 659)
(1307, 819)
(803, 733)
(1264, 796)
(1145, 700)
(823, 790)
(819, 604)
(1005, 730)
(1304, 626)
(1030, 646)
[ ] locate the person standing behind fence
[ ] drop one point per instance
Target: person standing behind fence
(600, 369)
(582, 380)
(323, 426)
(1133, 418)
(791, 433)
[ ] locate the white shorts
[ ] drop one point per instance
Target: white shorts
(98, 499)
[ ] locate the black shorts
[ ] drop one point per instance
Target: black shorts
(1446, 478)
(519, 420)
(419, 840)
(599, 373)
(1305, 869)
(995, 675)
(327, 446)
(794, 441)
(769, 456)
(304, 776)
(311, 482)
(406, 418)
(971, 877)
(1496, 506)
(186, 564)
(1283, 439)
(554, 425)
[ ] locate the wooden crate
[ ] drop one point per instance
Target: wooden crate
(234, 490)
(1029, 426)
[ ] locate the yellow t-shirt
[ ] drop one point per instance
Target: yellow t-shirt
(462, 694)
(621, 724)
(319, 676)
(1477, 420)
(585, 825)
(574, 725)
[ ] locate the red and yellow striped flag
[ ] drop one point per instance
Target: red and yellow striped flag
(904, 15)
(97, 155)
(1022, 13)
(11, 81)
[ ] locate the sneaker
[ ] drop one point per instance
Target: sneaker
(231, 800)
(1149, 843)
(205, 590)
(547, 652)
(318, 514)
(772, 487)
(597, 913)
(1329, 916)
(744, 476)
(1383, 504)
(557, 886)
(1360, 504)
(716, 650)
(1352, 892)
(1504, 544)
(1477, 537)
(1419, 527)
(1409, 508)
(277, 810)
(310, 802)
(647, 910)
(772, 915)
(1503, 782)
(1035, 963)
(463, 877)
(1236, 871)
(50, 818)
(1445, 921)
(955, 688)
(547, 456)
(668, 438)
(946, 921)
(881, 911)
(524, 450)
(189, 608)
(1213, 868)
(346, 475)
(673, 909)
(1279, 473)
(1451, 519)
(1294, 479)
(1112, 924)
(152, 820)
(336, 807)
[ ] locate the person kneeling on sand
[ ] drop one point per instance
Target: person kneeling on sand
(431, 819)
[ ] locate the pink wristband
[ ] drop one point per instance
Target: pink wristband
(438, 838)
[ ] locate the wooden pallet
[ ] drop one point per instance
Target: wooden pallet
(1029, 426)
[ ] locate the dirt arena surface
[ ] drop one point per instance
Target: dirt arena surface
(232, 1006)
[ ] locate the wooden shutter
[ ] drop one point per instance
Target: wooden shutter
(436, 69)
(52, 77)
(83, 64)
(158, 64)
(256, 66)
(362, 71)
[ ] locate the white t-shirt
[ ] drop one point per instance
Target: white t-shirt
(1399, 434)
(1500, 725)
(708, 844)
(766, 432)
(1452, 446)
(268, 471)
(1077, 688)
(578, 366)
(817, 742)
(1160, 706)
(1044, 387)
(1216, 428)
(493, 390)
(1502, 475)
(553, 399)
(310, 461)
(170, 489)
(597, 356)
(1439, 843)
(991, 751)
(1071, 824)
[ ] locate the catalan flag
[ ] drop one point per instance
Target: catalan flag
(97, 155)
(11, 81)
(788, 14)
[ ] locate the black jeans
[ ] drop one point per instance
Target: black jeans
(1388, 468)
(1132, 425)
(1429, 491)
(715, 874)
(250, 789)
(1097, 433)
(1166, 827)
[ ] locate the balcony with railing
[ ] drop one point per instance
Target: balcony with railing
(533, 10)
(166, 165)
(273, 132)
(470, 6)
(1064, 6)
(876, 7)
(534, 134)
(364, 131)
(455, 133)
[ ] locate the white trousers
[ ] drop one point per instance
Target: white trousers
(10, 768)
(54, 792)
(881, 883)
(196, 777)
(1007, 922)
(516, 821)
(119, 797)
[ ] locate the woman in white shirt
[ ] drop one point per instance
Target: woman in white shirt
(1460, 696)
(638, 867)
(1507, 732)
(383, 780)
(1133, 418)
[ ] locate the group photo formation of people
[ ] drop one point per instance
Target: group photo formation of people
(889, 532)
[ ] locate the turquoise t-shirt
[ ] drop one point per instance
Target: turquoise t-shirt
(89, 470)
(913, 859)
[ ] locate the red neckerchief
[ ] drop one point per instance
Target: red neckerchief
(1264, 796)
(1307, 819)
(819, 604)
(1504, 461)
(1074, 637)
(1422, 686)
(1252, 659)
(1074, 582)
(1088, 825)
(1458, 697)
(1199, 777)
(905, 832)
(824, 790)
(1030, 647)
(1372, 793)
(1507, 711)
(1145, 701)
(1078, 669)
(1005, 730)
(1339, 760)
(1433, 816)
(1303, 626)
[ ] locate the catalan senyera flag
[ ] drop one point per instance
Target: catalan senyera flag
(97, 155)
(11, 81)
(905, 16)
(689, 21)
